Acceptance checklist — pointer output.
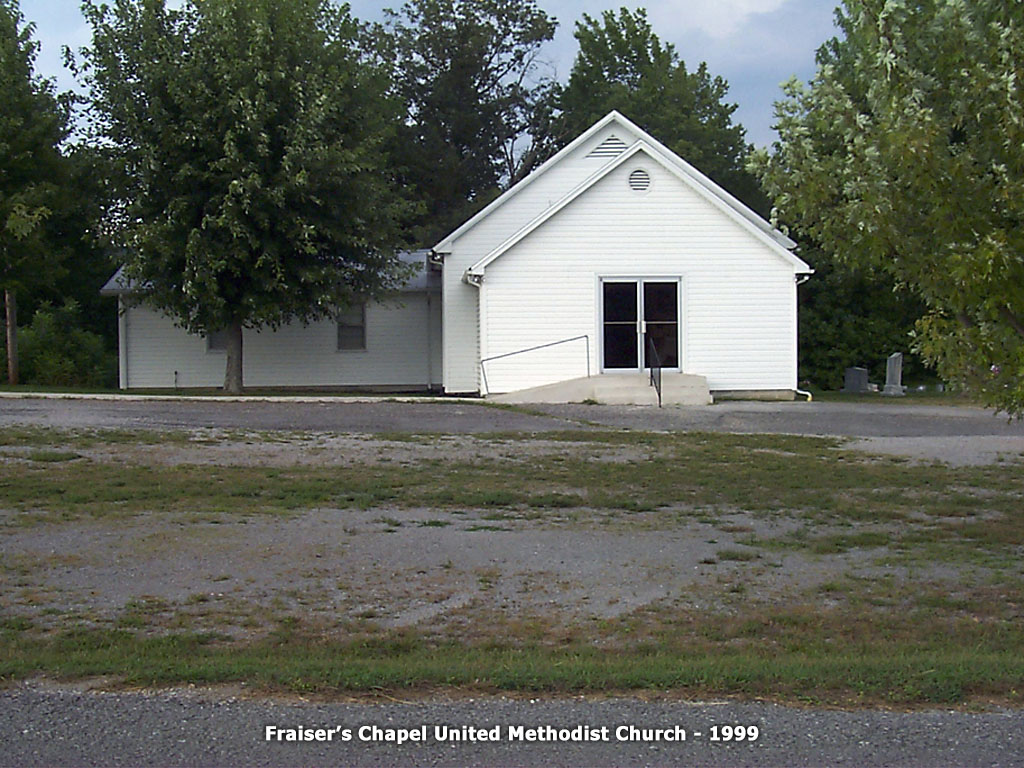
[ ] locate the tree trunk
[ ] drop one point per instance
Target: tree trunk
(233, 373)
(1012, 319)
(12, 337)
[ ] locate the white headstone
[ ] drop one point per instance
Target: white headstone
(894, 376)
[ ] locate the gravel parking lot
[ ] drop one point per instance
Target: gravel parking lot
(418, 566)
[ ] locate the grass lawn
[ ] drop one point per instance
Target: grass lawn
(922, 602)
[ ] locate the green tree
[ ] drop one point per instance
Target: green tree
(255, 192)
(852, 316)
(467, 73)
(58, 350)
(77, 241)
(904, 154)
(623, 65)
(32, 125)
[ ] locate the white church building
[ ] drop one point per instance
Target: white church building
(613, 256)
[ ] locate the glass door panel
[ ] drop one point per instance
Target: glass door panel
(661, 322)
(620, 315)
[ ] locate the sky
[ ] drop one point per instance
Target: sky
(754, 44)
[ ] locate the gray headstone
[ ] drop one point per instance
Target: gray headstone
(855, 380)
(894, 376)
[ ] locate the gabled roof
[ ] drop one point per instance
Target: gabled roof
(675, 164)
(445, 246)
(685, 174)
(425, 278)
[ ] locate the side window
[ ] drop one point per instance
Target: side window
(352, 329)
(217, 341)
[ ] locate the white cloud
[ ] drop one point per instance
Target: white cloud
(718, 19)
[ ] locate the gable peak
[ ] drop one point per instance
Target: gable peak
(612, 146)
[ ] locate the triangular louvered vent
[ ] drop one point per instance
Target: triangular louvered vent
(610, 147)
(639, 180)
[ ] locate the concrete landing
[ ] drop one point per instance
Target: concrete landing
(616, 389)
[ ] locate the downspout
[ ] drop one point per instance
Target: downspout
(437, 259)
(430, 347)
(476, 279)
(800, 280)
(122, 343)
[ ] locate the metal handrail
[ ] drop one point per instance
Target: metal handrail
(655, 361)
(483, 371)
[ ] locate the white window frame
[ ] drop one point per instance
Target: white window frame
(217, 341)
(340, 322)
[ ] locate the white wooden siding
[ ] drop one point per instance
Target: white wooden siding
(398, 352)
(738, 298)
(461, 332)
(461, 301)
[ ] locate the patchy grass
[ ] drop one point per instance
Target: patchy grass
(845, 500)
(929, 655)
(812, 478)
(88, 438)
(52, 456)
(738, 555)
(849, 639)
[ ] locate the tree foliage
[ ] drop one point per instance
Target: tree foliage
(475, 101)
(852, 316)
(32, 125)
(255, 190)
(623, 65)
(57, 349)
(904, 154)
(79, 257)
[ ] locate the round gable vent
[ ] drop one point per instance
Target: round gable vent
(639, 180)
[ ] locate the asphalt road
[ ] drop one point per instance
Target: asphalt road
(45, 726)
(885, 419)
(331, 415)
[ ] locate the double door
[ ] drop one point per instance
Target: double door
(637, 315)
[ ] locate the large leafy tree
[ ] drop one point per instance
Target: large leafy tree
(77, 242)
(622, 64)
(904, 154)
(255, 191)
(32, 125)
(467, 72)
(77, 263)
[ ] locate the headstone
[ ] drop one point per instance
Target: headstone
(855, 380)
(894, 376)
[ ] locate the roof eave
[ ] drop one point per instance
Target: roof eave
(446, 245)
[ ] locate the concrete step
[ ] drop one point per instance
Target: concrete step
(685, 389)
(616, 389)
